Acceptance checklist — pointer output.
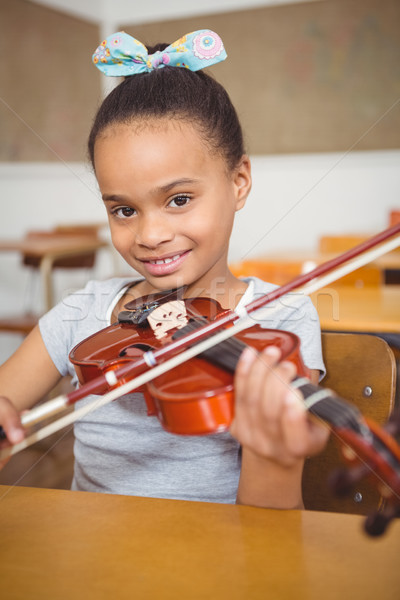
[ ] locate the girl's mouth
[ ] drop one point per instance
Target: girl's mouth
(165, 266)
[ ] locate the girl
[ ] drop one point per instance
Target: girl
(167, 150)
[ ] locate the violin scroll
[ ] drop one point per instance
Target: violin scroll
(376, 457)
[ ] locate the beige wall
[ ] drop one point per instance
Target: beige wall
(308, 77)
(49, 90)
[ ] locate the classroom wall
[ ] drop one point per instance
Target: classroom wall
(306, 77)
(48, 94)
(300, 189)
(48, 89)
(294, 199)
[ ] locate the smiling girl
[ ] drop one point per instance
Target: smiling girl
(167, 150)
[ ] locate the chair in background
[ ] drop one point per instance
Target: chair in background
(268, 270)
(47, 464)
(394, 217)
(364, 276)
(336, 244)
(283, 271)
(361, 369)
(23, 323)
(392, 274)
(370, 274)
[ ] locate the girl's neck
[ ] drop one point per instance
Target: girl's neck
(227, 290)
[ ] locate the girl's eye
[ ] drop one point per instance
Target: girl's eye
(123, 212)
(180, 201)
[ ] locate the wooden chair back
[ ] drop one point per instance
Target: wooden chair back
(394, 217)
(85, 260)
(25, 322)
(336, 244)
(283, 272)
(370, 275)
(278, 273)
(364, 276)
(361, 369)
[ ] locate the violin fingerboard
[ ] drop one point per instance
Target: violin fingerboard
(322, 403)
(224, 355)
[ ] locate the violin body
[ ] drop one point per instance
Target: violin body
(196, 397)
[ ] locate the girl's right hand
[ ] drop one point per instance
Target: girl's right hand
(11, 423)
(270, 416)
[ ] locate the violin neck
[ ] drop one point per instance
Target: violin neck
(333, 410)
(224, 355)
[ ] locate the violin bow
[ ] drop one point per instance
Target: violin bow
(154, 363)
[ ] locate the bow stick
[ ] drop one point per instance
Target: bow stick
(178, 351)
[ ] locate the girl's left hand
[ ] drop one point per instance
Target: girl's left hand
(270, 418)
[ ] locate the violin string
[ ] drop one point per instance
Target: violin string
(226, 354)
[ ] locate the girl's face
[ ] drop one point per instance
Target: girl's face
(170, 202)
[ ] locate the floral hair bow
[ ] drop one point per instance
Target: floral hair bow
(120, 54)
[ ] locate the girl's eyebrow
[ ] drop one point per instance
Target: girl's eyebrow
(112, 198)
(170, 186)
(162, 189)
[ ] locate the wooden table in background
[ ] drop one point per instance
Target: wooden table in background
(368, 310)
(308, 260)
(61, 545)
(282, 267)
(49, 250)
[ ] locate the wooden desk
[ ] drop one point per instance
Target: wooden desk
(282, 267)
(61, 545)
(369, 309)
(49, 250)
(309, 260)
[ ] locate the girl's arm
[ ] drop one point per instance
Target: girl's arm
(274, 430)
(25, 378)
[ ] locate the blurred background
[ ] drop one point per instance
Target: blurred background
(316, 85)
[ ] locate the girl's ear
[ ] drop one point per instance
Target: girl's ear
(242, 181)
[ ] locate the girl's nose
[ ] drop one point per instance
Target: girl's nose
(154, 229)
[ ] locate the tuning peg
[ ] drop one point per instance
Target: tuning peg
(342, 481)
(377, 523)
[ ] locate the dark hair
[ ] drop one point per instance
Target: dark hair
(178, 92)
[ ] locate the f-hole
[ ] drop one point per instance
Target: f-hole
(128, 350)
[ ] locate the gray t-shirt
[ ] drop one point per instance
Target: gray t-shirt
(118, 448)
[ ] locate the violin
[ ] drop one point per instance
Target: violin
(194, 398)
(155, 336)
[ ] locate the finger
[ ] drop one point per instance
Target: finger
(276, 385)
(11, 422)
(245, 421)
(243, 367)
(320, 437)
(302, 436)
(260, 372)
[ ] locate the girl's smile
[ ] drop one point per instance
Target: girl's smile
(171, 203)
(166, 265)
